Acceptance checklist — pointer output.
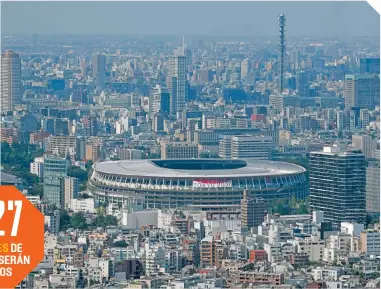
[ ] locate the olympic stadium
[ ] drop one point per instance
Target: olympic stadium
(205, 184)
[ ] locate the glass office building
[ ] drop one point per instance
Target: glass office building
(55, 168)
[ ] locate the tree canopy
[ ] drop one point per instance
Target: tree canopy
(104, 221)
(65, 220)
(289, 207)
(36, 190)
(89, 165)
(78, 221)
(16, 160)
(77, 172)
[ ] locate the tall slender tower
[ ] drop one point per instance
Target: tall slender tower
(11, 87)
(281, 51)
(99, 70)
(177, 81)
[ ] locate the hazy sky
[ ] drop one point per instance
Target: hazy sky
(192, 18)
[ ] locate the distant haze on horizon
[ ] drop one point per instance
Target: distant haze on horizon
(315, 19)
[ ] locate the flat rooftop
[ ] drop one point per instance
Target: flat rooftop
(9, 179)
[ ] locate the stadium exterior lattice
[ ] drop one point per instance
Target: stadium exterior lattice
(205, 184)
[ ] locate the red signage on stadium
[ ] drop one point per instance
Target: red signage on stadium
(212, 183)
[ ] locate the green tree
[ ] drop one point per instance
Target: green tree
(281, 207)
(293, 202)
(104, 221)
(6, 150)
(99, 221)
(65, 220)
(101, 209)
(78, 221)
(287, 207)
(93, 282)
(371, 219)
(302, 209)
(31, 179)
(37, 190)
(77, 172)
(111, 220)
(82, 187)
(16, 160)
(89, 165)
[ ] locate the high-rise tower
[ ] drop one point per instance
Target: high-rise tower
(11, 87)
(362, 90)
(373, 186)
(99, 70)
(159, 101)
(337, 185)
(55, 168)
(281, 51)
(177, 81)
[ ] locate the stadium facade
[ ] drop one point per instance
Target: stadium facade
(203, 184)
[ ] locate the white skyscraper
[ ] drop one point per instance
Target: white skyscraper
(245, 67)
(159, 101)
(258, 147)
(340, 120)
(37, 167)
(70, 188)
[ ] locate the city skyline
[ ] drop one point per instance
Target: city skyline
(160, 158)
(232, 19)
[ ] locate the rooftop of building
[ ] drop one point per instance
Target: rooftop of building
(217, 168)
(359, 76)
(9, 179)
(335, 150)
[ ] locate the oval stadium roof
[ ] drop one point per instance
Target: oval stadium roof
(224, 168)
